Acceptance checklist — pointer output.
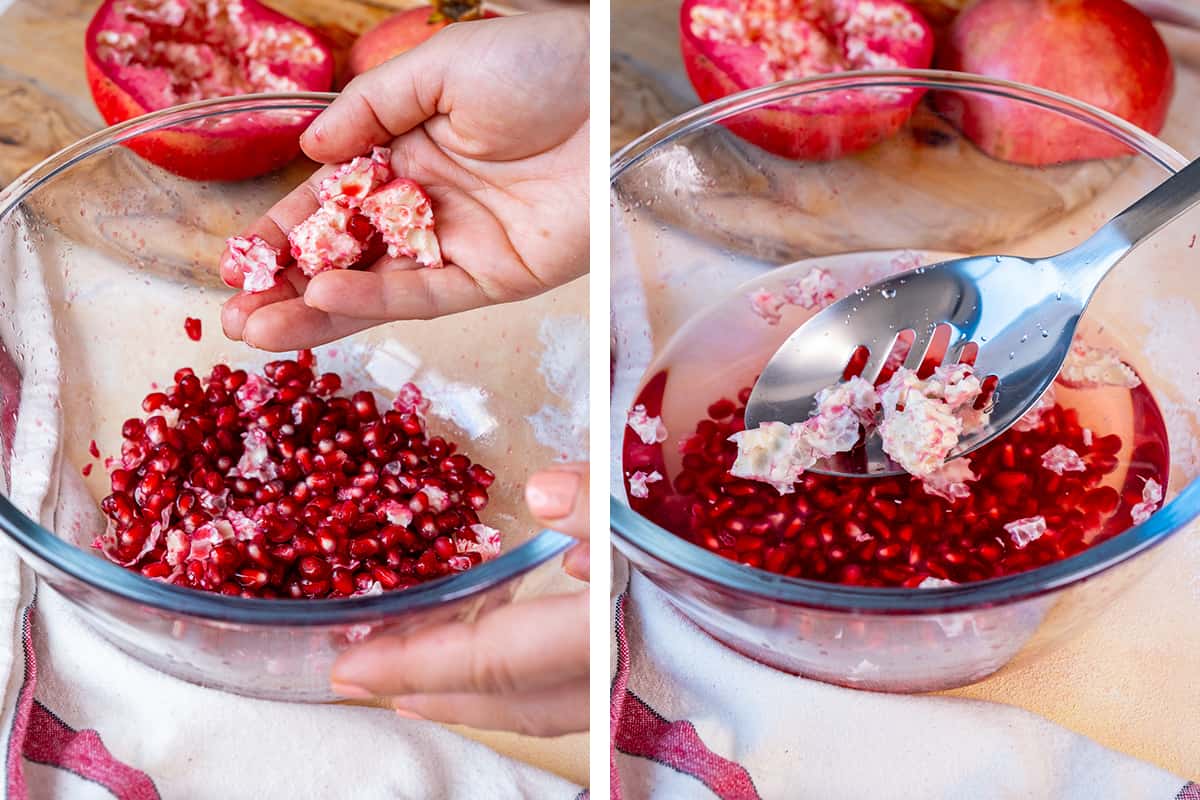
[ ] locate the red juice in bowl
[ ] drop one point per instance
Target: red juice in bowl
(1050, 488)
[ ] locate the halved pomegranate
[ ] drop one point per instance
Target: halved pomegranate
(407, 29)
(1103, 52)
(145, 55)
(732, 45)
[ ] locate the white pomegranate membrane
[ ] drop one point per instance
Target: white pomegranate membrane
(1047, 489)
(360, 201)
(796, 39)
(919, 421)
(273, 485)
(180, 51)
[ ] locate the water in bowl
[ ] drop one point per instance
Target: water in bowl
(881, 531)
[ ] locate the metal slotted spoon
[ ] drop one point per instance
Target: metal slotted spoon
(1020, 313)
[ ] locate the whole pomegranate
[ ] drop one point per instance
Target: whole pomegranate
(732, 45)
(407, 29)
(1103, 52)
(144, 55)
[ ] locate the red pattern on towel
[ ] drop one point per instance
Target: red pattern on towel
(638, 730)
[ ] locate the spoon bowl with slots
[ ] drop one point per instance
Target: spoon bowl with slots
(1013, 318)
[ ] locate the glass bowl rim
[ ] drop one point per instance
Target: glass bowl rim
(635, 532)
(104, 576)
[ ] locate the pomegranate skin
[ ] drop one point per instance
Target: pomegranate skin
(1104, 52)
(940, 12)
(397, 34)
(247, 147)
(822, 129)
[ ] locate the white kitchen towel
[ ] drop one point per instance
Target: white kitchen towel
(82, 720)
(693, 719)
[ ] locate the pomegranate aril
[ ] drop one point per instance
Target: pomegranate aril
(386, 578)
(286, 520)
(481, 475)
(890, 532)
(327, 384)
(153, 402)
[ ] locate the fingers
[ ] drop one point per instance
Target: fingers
(379, 105)
(484, 657)
(237, 309)
(558, 497)
(394, 293)
(292, 325)
(533, 95)
(577, 562)
(274, 226)
(550, 712)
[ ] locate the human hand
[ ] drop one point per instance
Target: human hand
(522, 667)
(491, 117)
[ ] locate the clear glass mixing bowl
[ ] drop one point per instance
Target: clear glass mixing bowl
(701, 216)
(103, 257)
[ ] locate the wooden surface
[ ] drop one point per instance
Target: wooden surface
(959, 198)
(45, 105)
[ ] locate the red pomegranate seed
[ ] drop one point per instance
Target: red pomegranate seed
(191, 326)
(301, 510)
(387, 578)
(153, 401)
(890, 531)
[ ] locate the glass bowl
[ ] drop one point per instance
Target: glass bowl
(104, 256)
(701, 218)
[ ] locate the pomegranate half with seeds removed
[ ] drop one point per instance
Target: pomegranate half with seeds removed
(732, 45)
(145, 55)
(274, 485)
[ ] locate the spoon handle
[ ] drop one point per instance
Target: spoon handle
(1091, 260)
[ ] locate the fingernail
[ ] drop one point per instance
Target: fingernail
(316, 129)
(405, 713)
(350, 691)
(312, 294)
(551, 494)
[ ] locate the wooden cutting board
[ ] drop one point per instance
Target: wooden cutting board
(929, 178)
(45, 105)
